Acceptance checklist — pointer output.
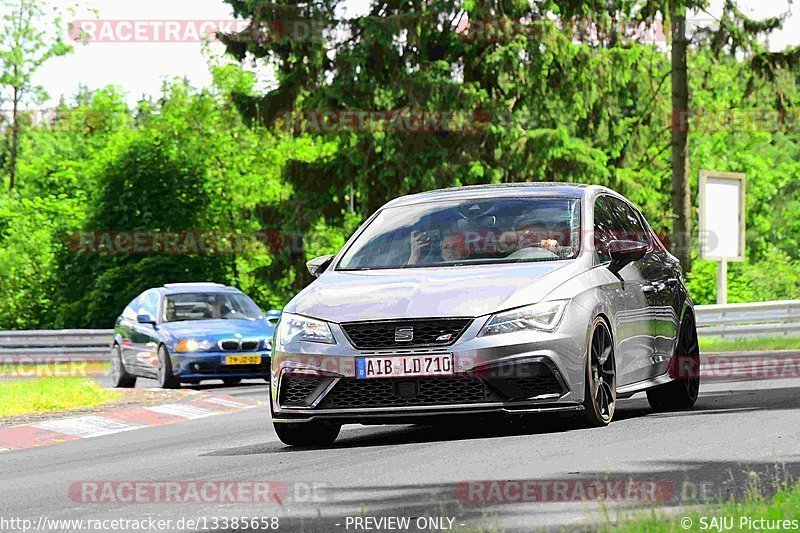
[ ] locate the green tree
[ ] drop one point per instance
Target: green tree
(28, 39)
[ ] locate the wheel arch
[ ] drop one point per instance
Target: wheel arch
(687, 309)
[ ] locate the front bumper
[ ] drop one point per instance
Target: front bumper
(505, 374)
(211, 365)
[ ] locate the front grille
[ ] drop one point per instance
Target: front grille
(250, 345)
(234, 345)
(385, 334)
(355, 393)
(300, 391)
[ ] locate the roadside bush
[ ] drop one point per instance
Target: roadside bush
(776, 277)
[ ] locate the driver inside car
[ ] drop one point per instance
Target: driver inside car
(451, 248)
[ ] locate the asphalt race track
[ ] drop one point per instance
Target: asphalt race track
(413, 471)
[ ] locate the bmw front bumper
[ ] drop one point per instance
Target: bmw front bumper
(211, 365)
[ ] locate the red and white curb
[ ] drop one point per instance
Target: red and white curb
(198, 405)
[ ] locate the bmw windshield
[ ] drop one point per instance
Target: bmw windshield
(478, 231)
(210, 306)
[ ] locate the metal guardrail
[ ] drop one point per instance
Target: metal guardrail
(727, 321)
(781, 318)
(85, 344)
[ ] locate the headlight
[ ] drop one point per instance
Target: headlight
(191, 345)
(300, 328)
(543, 316)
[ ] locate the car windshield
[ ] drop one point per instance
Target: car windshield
(478, 231)
(210, 306)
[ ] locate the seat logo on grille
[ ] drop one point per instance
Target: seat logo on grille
(404, 334)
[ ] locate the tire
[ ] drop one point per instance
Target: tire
(600, 389)
(165, 377)
(681, 393)
(232, 382)
(307, 434)
(120, 378)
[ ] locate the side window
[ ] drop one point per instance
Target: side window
(148, 303)
(633, 229)
(606, 227)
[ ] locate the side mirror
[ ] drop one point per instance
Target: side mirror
(144, 318)
(273, 316)
(624, 253)
(318, 265)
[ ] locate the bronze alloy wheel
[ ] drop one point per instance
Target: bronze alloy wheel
(601, 376)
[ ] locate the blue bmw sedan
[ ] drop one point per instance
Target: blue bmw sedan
(190, 332)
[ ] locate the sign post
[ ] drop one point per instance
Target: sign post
(722, 222)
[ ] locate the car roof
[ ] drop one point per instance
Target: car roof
(568, 190)
(179, 288)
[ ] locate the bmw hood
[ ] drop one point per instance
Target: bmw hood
(217, 329)
(466, 291)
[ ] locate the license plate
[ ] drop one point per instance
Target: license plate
(401, 366)
(242, 359)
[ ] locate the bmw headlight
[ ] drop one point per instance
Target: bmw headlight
(543, 316)
(191, 345)
(300, 328)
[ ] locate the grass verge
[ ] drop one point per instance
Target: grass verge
(716, 344)
(756, 513)
(25, 396)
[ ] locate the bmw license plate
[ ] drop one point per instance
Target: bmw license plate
(242, 359)
(402, 366)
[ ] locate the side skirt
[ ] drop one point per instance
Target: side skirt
(626, 391)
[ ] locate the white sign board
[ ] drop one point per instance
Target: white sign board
(722, 214)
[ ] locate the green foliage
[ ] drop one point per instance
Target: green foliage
(189, 168)
(550, 107)
(28, 39)
(775, 277)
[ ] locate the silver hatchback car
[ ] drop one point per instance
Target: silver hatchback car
(507, 299)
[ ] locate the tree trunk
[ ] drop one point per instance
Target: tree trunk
(12, 170)
(681, 242)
